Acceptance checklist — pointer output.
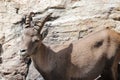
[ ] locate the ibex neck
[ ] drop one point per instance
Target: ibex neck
(41, 56)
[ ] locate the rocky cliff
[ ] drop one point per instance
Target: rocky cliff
(71, 20)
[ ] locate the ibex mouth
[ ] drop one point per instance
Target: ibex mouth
(23, 54)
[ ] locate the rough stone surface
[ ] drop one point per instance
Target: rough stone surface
(71, 20)
(33, 74)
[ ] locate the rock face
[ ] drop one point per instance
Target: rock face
(71, 20)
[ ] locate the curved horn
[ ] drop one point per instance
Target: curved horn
(41, 22)
(29, 19)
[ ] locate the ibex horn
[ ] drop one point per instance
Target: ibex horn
(41, 22)
(29, 19)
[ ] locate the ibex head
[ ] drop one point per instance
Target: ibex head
(31, 37)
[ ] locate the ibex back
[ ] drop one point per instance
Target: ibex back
(85, 59)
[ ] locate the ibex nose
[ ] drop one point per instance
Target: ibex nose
(22, 50)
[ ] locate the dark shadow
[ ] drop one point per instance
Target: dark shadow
(1, 51)
(119, 70)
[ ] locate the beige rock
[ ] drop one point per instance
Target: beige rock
(115, 16)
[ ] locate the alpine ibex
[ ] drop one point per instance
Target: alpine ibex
(84, 59)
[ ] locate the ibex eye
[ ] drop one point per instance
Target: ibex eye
(36, 40)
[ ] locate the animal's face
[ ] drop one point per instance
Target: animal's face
(30, 40)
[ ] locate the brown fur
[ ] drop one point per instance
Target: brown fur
(84, 59)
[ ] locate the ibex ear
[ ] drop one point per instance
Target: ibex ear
(44, 34)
